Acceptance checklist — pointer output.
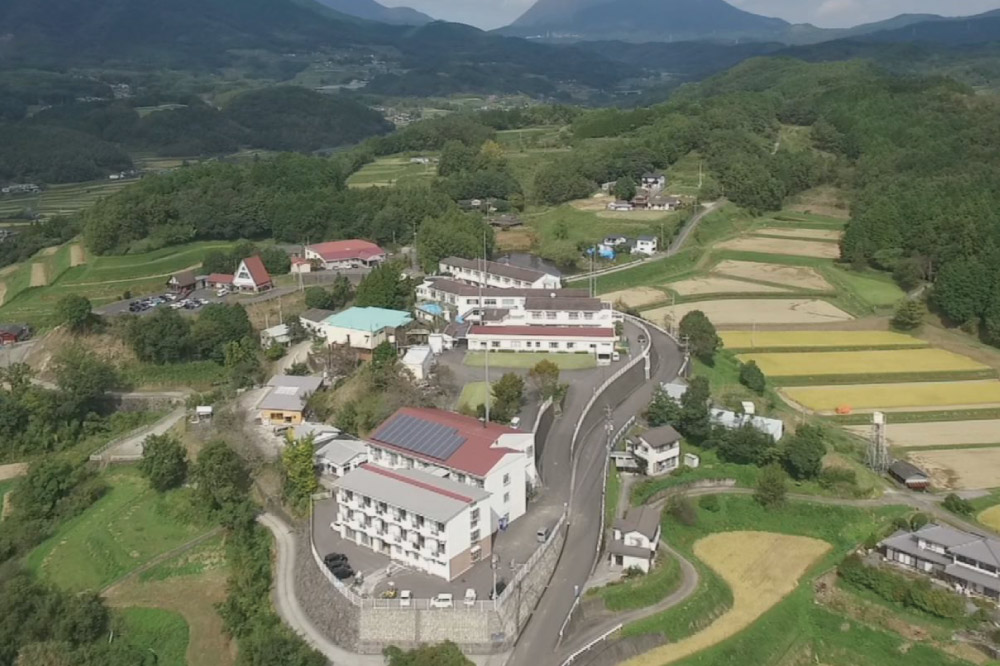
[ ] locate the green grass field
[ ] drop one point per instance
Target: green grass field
(473, 395)
(207, 556)
(162, 632)
(683, 175)
(198, 375)
(521, 140)
(644, 590)
(527, 360)
(614, 492)
(103, 279)
(393, 170)
(61, 199)
(123, 530)
(877, 290)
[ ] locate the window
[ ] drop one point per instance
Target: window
(574, 315)
(588, 315)
(506, 479)
(489, 301)
(550, 315)
(570, 345)
(474, 536)
(440, 527)
(460, 478)
(515, 344)
(495, 344)
(506, 498)
(507, 301)
(536, 315)
(553, 345)
(474, 516)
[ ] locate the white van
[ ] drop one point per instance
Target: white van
(443, 600)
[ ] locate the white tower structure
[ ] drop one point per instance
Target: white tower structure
(877, 457)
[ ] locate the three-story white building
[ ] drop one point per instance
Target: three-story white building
(495, 274)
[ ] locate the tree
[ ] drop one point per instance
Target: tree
(625, 189)
(275, 260)
(745, 446)
(694, 421)
(442, 654)
(222, 481)
(544, 377)
(804, 451)
(771, 487)
(84, 381)
(298, 465)
(218, 325)
(319, 298)
(700, 335)
(956, 504)
(752, 377)
(163, 337)
(508, 393)
(909, 315)
(17, 376)
(48, 481)
(453, 234)
(386, 287)
(341, 292)
(243, 363)
(662, 410)
(164, 462)
(75, 312)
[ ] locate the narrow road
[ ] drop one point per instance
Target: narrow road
(131, 445)
(674, 248)
(297, 353)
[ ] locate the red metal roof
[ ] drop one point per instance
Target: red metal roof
(476, 455)
(347, 249)
(545, 331)
(258, 273)
(413, 482)
(220, 278)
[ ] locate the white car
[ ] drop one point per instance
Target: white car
(221, 292)
(470, 597)
(443, 600)
(405, 598)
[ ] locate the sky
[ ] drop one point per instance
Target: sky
(488, 14)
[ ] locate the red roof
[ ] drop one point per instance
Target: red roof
(220, 278)
(413, 482)
(298, 261)
(258, 273)
(347, 249)
(476, 455)
(545, 331)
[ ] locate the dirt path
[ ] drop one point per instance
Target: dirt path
(12, 471)
(194, 597)
(7, 270)
(144, 277)
(3, 292)
(49, 251)
(38, 276)
(77, 257)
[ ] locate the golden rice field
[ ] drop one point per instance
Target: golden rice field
(960, 469)
(991, 518)
(811, 339)
(906, 396)
(762, 568)
(938, 433)
(885, 362)
(744, 312)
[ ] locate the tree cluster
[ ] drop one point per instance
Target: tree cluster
(915, 593)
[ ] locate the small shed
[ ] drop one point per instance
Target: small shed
(276, 335)
(419, 361)
(909, 475)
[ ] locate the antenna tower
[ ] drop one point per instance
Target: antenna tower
(877, 456)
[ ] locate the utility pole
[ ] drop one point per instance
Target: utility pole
(609, 426)
(482, 317)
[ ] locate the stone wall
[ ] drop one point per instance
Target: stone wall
(545, 420)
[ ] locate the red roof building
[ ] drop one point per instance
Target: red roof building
(252, 276)
(354, 253)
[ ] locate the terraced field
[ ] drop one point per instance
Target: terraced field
(800, 277)
(393, 170)
(799, 248)
(756, 311)
(721, 285)
(916, 396)
(882, 362)
(61, 199)
(748, 340)
(938, 433)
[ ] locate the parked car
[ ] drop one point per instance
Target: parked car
(470, 597)
(543, 534)
(331, 558)
(342, 572)
(405, 598)
(443, 600)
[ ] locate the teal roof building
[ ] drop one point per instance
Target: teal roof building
(368, 319)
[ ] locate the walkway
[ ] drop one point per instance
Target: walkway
(129, 447)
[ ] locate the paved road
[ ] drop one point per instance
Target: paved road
(131, 446)
(674, 248)
(538, 641)
(297, 353)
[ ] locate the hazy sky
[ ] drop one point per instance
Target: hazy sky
(825, 13)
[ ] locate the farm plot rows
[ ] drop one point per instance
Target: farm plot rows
(800, 277)
(881, 362)
(960, 469)
(792, 340)
(938, 433)
(760, 567)
(730, 312)
(908, 396)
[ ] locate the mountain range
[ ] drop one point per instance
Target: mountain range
(373, 11)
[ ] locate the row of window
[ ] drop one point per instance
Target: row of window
(393, 459)
(534, 344)
(552, 314)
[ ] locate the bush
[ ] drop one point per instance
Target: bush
(956, 504)
(681, 509)
(918, 520)
(833, 477)
(709, 503)
(891, 586)
(909, 315)
(752, 377)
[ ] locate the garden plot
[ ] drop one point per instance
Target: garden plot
(636, 297)
(960, 469)
(939, 433)
(760, 567)
(756, 311)
(721, 285)
(922, 396)
(799, 248)
(883, 362)
(801, 277)
(805, 234)
(816, 339)
(38, 276)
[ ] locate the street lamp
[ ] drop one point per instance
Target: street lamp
(494, 563)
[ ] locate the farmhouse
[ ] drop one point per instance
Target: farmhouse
(634, 539)
(659, 450)
(21, 188)
(597, 341)
(909, 475)
(620, 205)
(503, 222)
(250, 276)
(13, 333)
(363, 328)
(337, 255)
(276, 335)
(732, 421)
(969, 562)
(664, 202)
(645, 245)
(654, 180)
(615, 241)
(495, 274)
(286, 402)
(184, 282)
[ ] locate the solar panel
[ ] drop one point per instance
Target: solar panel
(424, 437)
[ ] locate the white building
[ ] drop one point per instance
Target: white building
(425, 521)
(280, 335)
(645, 245)
(462, 299)
(492, 457)
(552, 310)
(635, 539)
(313, 319)
(494, 274)
(339, 255)
(660, 449)
(360, 328)
(340, 456)
(599, 342)
(419, 361)
(653, 180)
(733, 421)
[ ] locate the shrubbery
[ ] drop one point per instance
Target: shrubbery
(912, 593)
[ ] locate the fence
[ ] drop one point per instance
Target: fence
(531, 562)
(100, 455)
(573, 657)
(617, 437)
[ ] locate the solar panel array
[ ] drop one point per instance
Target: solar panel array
(424, 437)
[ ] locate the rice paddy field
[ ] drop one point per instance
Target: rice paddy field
(800, 277)
(61, 199)
(637, 297)
(960, 469)
(882, 362)
(748, 340)
(800, 248)
(916, 396)
(990, 517)
(393, 170)
(730, 312)
(938, 433)
(721, 285)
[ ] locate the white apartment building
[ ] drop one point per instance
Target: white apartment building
(491, 457)
(660, 449)
(494, 274)
(422, 520)
(556, 339)
(463, 298)
(553, 310)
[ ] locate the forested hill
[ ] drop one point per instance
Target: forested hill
(373, 11)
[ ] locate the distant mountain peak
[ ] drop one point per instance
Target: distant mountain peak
(374, 11)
